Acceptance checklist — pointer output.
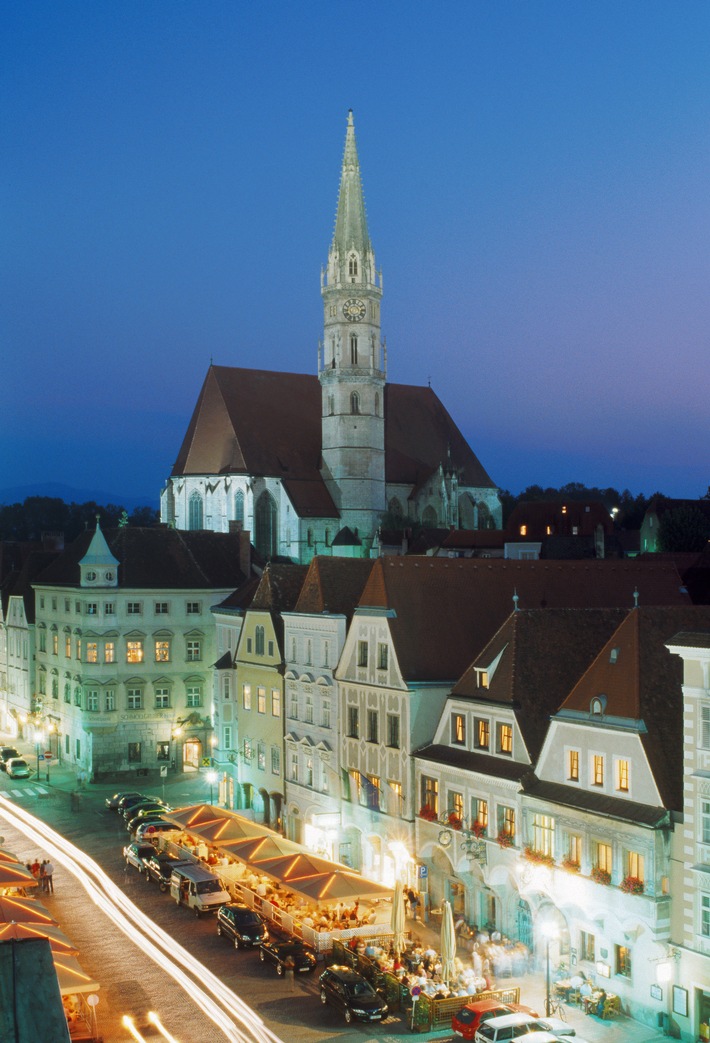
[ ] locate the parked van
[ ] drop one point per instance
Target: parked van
(197, 888)
(504, 1028)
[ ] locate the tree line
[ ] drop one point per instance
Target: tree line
(40, 514)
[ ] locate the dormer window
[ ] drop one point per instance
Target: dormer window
(523, 530)
(613, 655)
(482, 678)
(91, 576)
(598, 705)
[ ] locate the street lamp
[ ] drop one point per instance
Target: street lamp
(549, 932)
(211, 777)
(39, 736)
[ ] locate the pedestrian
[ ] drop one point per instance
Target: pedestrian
(34, 869)
(290, 971)
(413, 902)
(43, 876)
(48, 876)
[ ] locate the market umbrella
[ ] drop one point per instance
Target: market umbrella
(290, 868)
(58, 941)
(252, 849)
(398, 918)
(338, 886)
(71, 975)
(225, 829)
(191, 816)
(5, 856)
(448, 944)
(23, 910)
(14, 874)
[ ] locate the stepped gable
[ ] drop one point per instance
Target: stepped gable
(158, 559)
(542, 653)
(642, 682)
(333, 585)
(445, 611)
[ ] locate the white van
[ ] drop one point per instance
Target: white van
(198, 889)
(505, 1027)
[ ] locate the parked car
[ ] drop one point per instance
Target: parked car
(240, 923)
(114, 801)
(140, 820)
(143, 811)
(540, 1035)
(130, 810)
(18, 768)
(146, 829)
(504, 1028)
(136, 854)
(159, 867)
(555, 1025)
(6, 754)
(351, 994)
(129, 799)
(466, 1022)
(273, 951)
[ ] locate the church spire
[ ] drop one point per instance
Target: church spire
(351, 221)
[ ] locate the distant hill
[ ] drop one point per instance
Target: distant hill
(19, 493)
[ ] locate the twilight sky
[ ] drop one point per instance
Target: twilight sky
(536, 178)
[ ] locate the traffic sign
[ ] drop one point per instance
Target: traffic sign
(416, 990)
(163, 771)
(48, 755)
(423, 871)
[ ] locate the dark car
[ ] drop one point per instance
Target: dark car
(136, 854)
(6, 754)
(138, 820)
(304, 959)
(114, 801)
(160, 866)
(147, 829)
(129, 799)
(143, 811)
(131, 809)
(352, 994)
(242, 925)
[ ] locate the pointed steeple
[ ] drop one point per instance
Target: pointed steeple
(351, 221)
(98, 566)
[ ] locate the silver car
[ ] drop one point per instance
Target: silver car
(18, 768)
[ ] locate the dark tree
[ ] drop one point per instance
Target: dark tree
(683, 529)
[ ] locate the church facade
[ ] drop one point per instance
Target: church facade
(310, 463)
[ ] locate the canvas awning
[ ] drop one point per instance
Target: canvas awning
(58, 941)
(71, 975)
(23, 910)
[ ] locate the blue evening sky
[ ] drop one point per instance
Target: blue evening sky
(536, 177)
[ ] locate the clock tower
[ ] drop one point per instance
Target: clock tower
(352, 360)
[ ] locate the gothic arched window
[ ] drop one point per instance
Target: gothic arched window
(239, 507)
(195, 512)
(429, 517)
(352, 265)
(353, 349)
(354, 403)
(259, 640)
(266, 525)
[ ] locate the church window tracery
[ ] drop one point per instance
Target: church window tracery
(352, 266)
(195, 512)
(239, 507)
(266, 525)
(353, 349)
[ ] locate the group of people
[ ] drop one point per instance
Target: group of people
(43, 872)
(492, 953)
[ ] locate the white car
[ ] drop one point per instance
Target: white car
(18, 768)
(557, 1026)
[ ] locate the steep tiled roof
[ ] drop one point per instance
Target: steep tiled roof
(158, 559)
(468, 760)
(265, 423)
(542, 653)
(279, 588)
(640, 681)
(19, 584)
(596, 803)
(561, 518)
(333, 585)
(446, 610)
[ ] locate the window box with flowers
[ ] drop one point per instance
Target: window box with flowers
(454, 820)
(504, 838)
(601, 876)
(541, 857)
(427, 813)
(631, 885)
(570, 865)
(478, 829)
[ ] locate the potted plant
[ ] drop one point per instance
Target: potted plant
(601, 876)
(631, 885)
(570, 864)
(504, 838)
(540, 857)
(427, 812)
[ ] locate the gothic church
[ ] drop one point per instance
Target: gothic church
(308, 465)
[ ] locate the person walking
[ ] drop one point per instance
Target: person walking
(413, 902)
(48, 877)
(34, 869)
(290, 972)
(43, 876)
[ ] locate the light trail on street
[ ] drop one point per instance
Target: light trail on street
(236, 1020)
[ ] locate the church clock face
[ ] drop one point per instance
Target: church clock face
(354, 310)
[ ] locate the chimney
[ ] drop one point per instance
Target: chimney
(245, 552)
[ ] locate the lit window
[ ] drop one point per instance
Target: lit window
(458, 729)
(260, 699)
(78, 648)
(573, 766)
(162, 651)
(505, 738)
(134, 651)
(275, 702)
(430, 794)
(109, 652)
(623, 960)
(574, 849)
(374, 789)
(92, 652)
(246, 696)
(482, 678)
(622, 776)
(543, 835)
(55, 644)
(523, 530)
(455, 806)
(483, 733)
(603, 857)
(597, 770)
(480, 813)
(635, 865)
(67, 646)
(506, 821)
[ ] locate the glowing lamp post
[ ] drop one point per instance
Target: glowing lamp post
(211, 777)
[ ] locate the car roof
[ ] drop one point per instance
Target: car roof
(503, 1020)
(346, 973)
(13, 760)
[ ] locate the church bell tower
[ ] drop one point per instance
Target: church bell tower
(352, 360)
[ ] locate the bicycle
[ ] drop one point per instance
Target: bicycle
(554, 1009)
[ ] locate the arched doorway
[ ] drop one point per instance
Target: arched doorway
(524, 925)
(191, 755)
